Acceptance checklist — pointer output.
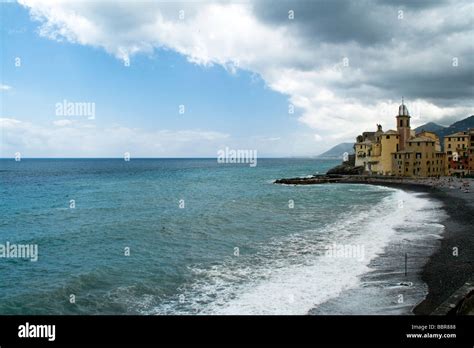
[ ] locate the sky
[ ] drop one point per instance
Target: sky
(186, 79)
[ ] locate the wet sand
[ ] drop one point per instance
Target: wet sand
(444, 272)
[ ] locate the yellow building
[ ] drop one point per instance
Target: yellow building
(471, 151)
(457, 150)
(368, 149)
(400, 152)
(390, 144)
(433, 136)
(419, 159)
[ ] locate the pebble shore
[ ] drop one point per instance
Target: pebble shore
(451, 268)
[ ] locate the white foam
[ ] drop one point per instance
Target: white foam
(292, 275)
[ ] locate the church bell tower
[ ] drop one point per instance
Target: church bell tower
(403, 125)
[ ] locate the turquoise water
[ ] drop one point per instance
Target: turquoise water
(234, 246)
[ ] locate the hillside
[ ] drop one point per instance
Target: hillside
(461, 125)
(441, 131)
(337, 151)
(430, 127)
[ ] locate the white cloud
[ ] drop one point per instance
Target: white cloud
(317, 137)
(336, 101)
(63, 123)
(5, 87)
(75, 139)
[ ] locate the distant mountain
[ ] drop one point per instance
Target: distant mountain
(430, 127)
(461, 125)
(337, 151)
(441, 131)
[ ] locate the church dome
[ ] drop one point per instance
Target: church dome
(403, 110)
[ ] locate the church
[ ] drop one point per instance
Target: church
(400, 152)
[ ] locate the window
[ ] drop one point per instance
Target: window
(449, 146)
(418, 155)
(418, 143)
(388, 137)
(401, 123)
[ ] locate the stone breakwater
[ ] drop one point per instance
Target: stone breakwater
(441, 182)
(348, 179)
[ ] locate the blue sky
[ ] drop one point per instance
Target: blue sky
(146, 94)
(76, 51)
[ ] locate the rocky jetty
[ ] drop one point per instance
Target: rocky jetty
(308, 181)
(341, 173)
(346, 169)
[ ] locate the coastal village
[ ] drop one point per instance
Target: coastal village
(403, 155)
(402, 152)
(403, 158)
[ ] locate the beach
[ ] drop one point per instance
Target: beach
(447, 269)
(238, 244)
(445, 273)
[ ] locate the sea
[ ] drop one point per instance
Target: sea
(198, 237)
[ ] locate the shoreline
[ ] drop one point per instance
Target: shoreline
(443, 273)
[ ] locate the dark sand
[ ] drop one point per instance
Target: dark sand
(444, 273)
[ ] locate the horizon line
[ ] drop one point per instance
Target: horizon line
(121, 158)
